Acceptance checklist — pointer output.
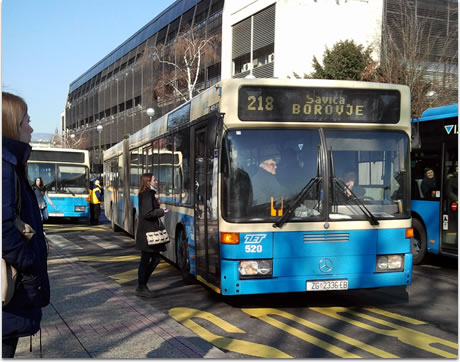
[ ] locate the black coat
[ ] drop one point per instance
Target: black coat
(149, 214)
(22, 316)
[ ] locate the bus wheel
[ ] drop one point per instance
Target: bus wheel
(182, 256)
(418, 242)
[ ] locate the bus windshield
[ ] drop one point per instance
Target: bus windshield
(60, 178)
(264, 172)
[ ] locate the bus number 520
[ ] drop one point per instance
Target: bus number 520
(253, 248)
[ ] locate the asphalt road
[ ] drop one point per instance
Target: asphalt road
(420, 321)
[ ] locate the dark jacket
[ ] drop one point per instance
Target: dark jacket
(149, 214)
(428, 185)
(22, 316)
(264, 186)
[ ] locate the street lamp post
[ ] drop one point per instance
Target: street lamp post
(150, 112)
(72, 137)
(99, 129)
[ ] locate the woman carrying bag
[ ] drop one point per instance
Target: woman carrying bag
(149, 221)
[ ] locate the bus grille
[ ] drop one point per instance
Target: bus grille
(326, 238)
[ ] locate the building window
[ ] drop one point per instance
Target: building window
(254, 41)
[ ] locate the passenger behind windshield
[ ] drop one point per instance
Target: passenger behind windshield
(352, 185)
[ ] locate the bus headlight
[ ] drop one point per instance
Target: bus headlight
(80, 208)
(389, 263)
(255, 268)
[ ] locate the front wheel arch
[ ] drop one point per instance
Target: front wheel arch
(418, 246)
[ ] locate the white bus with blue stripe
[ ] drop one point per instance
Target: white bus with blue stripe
(314, 232)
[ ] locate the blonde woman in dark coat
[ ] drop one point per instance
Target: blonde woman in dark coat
(149, 220)
(22, 316)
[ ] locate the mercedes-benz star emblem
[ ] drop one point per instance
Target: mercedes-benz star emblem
(325, 265)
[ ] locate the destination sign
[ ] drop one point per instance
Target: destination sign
(300, 104)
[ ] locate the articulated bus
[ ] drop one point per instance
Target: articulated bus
(65, 174)
(256, 174)
(434, 212)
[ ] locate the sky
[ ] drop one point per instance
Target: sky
(47, 44)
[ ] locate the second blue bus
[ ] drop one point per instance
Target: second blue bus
(434, 210)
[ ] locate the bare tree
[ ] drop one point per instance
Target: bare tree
(419, 49)
(177, 65)
(79, 141)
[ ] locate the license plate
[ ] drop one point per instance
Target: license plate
(321, 285)
(56, 214)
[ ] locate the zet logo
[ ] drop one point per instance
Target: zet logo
(254, 238)
(450, 128)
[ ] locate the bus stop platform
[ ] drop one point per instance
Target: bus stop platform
(91, 316)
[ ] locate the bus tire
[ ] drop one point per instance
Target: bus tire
(418, 242)
(183, 257)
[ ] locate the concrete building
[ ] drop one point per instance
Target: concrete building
(259, 38)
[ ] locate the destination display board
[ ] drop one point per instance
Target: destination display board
(302, 104)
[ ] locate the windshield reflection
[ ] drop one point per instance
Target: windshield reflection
(66, 179)
(264, 172)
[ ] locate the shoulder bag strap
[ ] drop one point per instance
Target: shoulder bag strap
(154, 200)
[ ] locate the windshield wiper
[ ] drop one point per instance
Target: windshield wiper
(356, 200)
(299, 198)
(68, 190)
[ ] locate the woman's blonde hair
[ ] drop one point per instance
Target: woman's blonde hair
(14, 108)
(145, 182)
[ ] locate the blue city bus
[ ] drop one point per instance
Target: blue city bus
(434, 212)
(256, 175)
(65, 174)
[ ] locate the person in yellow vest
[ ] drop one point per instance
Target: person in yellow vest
(95, 198)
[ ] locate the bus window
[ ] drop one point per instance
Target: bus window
(182, 173)
(380, 169)
(44, 170)
(134, 169)
(72, 179)
(263, 172)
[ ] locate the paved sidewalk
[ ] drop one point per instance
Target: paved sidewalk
(90, 316)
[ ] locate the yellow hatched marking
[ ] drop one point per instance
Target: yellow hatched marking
(263, 314)
(185, 315)
(395, 316)
(405, 335)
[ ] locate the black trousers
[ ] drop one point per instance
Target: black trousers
(94, 213)
(147, 265)
(9, 347)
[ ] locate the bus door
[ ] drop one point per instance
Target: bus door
(449, 212)
(206, 226)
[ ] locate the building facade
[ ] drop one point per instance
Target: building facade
(259, 38)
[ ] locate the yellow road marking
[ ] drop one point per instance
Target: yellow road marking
(405, 335)
(110, 259)
(127, 276)
(131, 275)
(395, 316)
(263, 314)
(185, 315)
(58, 228)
